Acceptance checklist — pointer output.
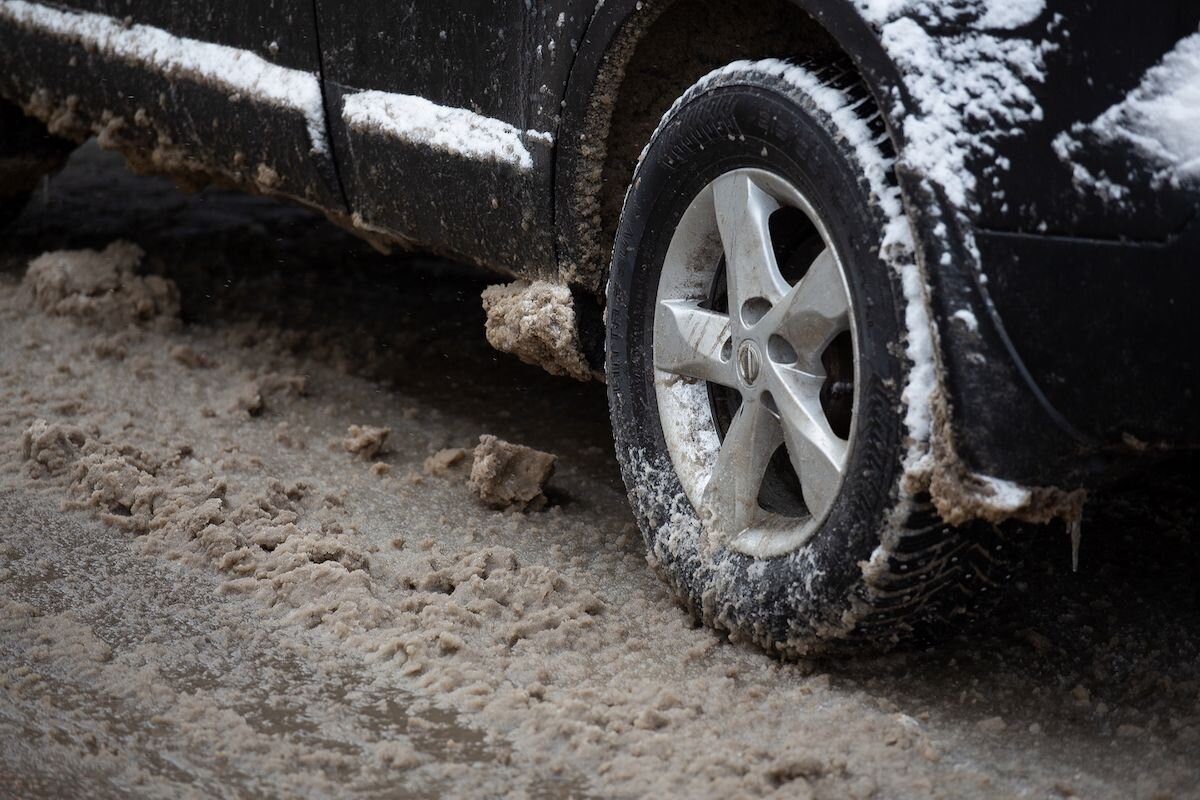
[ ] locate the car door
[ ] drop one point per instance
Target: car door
(223, 89)
(443, 116)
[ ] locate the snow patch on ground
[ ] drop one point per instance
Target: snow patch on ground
(451, 130)
(634, 698)
(235, 71)
(1161, 118)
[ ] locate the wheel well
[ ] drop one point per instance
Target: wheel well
(654, 58)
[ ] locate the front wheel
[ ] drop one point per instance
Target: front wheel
(754, 372)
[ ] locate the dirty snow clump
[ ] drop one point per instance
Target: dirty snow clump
(510, 476)
(445, 462)
(536, 322)
(49, 448)
(101, 287)
(366, 441)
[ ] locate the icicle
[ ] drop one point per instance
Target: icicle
(1076, 530)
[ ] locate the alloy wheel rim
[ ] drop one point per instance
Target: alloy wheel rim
(756, 362)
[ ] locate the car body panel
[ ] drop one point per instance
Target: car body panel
(1099, 55)
(1081, 302)
(110, 82)
(505, 61)
(454, 59)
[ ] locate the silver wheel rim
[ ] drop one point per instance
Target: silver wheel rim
(769, 349)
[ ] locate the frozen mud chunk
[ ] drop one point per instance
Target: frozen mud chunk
(366, 441)
(536, 323)
(445, 462)
(506, 475)
(101, 287)
(50, 448)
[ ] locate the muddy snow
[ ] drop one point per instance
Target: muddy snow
(252, 541)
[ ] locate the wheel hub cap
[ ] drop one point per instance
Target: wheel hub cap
(749, 362)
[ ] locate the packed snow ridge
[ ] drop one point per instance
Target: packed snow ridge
(969, 88)
(457, 131)
(234, 71)
(1160, 117)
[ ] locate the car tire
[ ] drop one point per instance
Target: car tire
(795, 564)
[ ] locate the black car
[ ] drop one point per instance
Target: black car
(879, 287)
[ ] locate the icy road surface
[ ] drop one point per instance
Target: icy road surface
(205, 592)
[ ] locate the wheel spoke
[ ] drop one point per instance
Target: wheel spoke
(816, 452)
(688, 341)
(743, 211)
(781, 347)
(731, 497)
(815, 311)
